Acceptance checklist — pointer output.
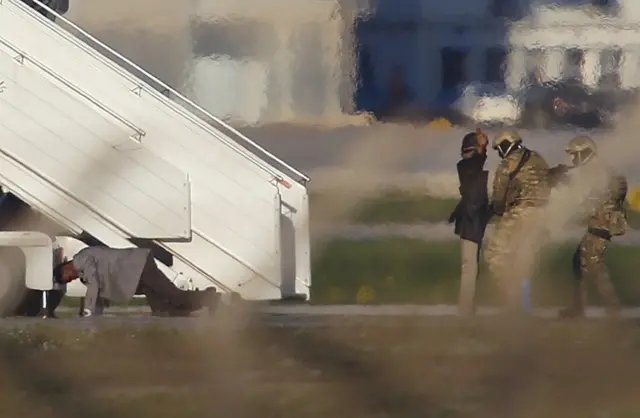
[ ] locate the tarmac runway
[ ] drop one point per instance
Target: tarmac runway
(296, 316)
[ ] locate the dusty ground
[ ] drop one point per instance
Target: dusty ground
(421, 367)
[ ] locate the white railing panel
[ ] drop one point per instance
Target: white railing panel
(72, 145)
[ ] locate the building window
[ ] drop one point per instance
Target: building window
(454, 63)
(309, 77)
(495, 65)
(534, 65)
(610, 60)
(239, 39)
(573, 64)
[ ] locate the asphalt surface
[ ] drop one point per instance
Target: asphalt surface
(296, 316)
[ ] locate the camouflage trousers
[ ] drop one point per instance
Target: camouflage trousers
(511, 252)
(589, 266)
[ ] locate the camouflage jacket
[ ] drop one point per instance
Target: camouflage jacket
(559, 175)
(527, 186)
(605, 205)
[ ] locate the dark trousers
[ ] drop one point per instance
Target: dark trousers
(31, 303)
(163, 296)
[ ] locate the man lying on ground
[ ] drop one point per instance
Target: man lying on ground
(116, 275)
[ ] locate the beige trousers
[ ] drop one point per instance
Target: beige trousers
(469, 257)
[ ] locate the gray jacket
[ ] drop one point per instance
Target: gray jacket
(110, 273)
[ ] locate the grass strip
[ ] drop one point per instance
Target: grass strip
(401, 270)
(397, 206)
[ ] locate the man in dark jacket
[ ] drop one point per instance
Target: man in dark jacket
(471, 215)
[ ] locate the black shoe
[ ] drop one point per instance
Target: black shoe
(212, 300)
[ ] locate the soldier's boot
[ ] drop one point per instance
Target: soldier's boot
(577, 307)
(211, 300)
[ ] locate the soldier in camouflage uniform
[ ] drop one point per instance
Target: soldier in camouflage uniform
(606, 217)
(520, 192)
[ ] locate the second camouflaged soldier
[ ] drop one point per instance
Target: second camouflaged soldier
(606, 216)
(520, 193)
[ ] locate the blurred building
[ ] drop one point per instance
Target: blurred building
(598, 46)
(595, 44)
(439, 45)
(268, 62)
(246, 61)
(153, 33)
(290, 60)
(445, 45)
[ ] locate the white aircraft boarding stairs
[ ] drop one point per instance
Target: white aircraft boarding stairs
(108, 151)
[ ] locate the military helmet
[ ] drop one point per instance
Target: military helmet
(505, 142)
(581, 143)
(582, 149)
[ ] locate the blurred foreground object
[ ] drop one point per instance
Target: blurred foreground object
(366, 295)
(633, 199)
(440, 124)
